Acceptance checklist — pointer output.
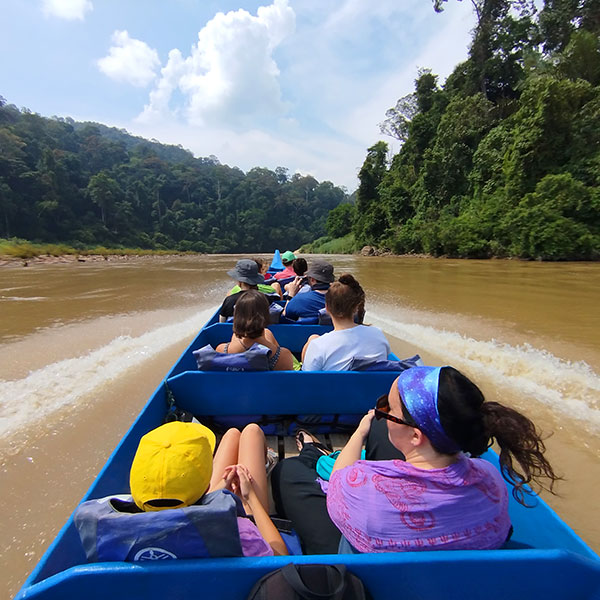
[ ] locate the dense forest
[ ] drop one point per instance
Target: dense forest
(504, 158)
(87, 184)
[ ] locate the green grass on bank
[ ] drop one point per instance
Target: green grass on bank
(327, 245)
(17, 248)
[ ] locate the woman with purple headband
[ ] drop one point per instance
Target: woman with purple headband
(440, 497)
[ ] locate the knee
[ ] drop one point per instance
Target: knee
(231, 435)
(252, 431)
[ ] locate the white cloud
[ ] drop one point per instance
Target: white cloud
(230, 75)
(442, 52)
(130, 60)
(343, 68)
(67, 9)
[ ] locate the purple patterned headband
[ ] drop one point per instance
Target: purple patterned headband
(418, 388)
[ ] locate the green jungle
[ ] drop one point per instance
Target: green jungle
(501, 160)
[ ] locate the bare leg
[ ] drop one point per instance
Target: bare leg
(314, 336)
(252, 454)
(227, 454)
(277, 288)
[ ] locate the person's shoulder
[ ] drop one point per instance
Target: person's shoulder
(228, 303)
(369, 330)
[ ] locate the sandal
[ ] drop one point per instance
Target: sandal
(304, 437)
(271, 460)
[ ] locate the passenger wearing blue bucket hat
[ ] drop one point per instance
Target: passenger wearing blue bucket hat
(248, 277)
(441, 497)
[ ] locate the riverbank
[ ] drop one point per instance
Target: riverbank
(22, 253)
(49, 259)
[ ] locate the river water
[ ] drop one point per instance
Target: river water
(84, 345)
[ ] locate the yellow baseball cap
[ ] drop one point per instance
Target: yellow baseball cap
(172, 466)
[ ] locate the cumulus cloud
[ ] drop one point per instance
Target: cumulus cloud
(230, 75)
(130, 60)
(67, 9)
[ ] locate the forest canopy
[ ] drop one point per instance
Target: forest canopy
(504, 158)
(87, 184)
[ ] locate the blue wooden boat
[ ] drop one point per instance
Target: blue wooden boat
(546, 559)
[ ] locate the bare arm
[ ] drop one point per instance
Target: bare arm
(292, 289)
(351, 451)
(314, 336)
(261, 518)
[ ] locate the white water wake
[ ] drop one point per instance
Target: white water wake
(63, 383)
(569, 388)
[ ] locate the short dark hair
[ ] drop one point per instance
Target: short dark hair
(345, 298)
(251, 314)
(300, 265)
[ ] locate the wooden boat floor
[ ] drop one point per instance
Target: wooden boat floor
(333, 440)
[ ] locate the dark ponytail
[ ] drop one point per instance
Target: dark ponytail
(519, 441)
(345, 298)
(474, 424)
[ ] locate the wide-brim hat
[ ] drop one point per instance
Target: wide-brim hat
(321, 271)
(173, 462)
(246, 270)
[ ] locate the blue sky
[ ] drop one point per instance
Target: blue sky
(296, 83)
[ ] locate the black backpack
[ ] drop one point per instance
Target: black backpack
(309, 582)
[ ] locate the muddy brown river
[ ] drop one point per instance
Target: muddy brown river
(84, 345)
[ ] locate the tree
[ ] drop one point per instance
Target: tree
(103, 190)
(340, 220)
(559, 220)
(398, 118)
(371, 220)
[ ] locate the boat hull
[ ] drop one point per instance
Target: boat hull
(545, 558)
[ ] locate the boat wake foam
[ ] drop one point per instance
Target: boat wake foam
(64, 383)
(569, 388)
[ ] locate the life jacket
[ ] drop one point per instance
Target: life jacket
(256, 358)
(113, 528)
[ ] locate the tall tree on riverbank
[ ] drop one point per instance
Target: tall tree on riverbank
(504, 158)
(371, 221)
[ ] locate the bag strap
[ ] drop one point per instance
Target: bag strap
(290, 572)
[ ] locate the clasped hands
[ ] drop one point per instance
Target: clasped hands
(237, 479)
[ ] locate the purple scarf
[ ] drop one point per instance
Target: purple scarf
(418, 388)
(392, 506)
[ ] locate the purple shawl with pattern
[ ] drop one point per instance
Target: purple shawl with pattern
(391, 506)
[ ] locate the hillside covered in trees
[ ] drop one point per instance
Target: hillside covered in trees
(504, 158)
(87, 184)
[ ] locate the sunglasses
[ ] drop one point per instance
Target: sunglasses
(382, 411)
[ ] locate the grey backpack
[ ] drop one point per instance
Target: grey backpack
(309, 582)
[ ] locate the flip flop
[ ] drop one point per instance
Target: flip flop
(303, 437)
(271, 460)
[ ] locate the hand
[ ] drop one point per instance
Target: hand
(293, 287)
(231, 480)
(365, 424)
(245, 480)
